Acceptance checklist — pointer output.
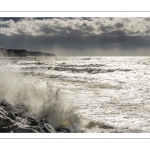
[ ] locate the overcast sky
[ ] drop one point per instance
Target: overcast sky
(78, 36)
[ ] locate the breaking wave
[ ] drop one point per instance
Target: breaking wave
(89, 68)
(44, 102)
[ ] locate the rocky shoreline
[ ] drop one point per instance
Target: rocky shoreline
(14, 120)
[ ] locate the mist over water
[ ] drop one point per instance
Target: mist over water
(84, 94)
(42, 100)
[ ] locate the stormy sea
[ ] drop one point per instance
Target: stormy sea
(75, 94)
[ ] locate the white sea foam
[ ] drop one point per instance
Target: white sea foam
(109, 90)
(42, 99)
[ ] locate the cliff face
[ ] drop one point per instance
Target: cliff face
(21, 53)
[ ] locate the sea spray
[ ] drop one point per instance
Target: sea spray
(44, 102)
(59, 111)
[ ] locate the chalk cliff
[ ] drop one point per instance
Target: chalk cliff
(21, 53)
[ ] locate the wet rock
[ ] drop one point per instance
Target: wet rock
(22, 120)
(63, 130)
(5, 105)
(8, 129)
(33, 121)
(24, 130)
(5, 121)
(50, 128)
(43, 121)
(11, 115)
(20, 110)
(47, 128)
(13, 119)
(38, 129)
(2, 112)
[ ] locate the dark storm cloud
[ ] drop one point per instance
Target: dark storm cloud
(119, 25)
(88, 36)
(106, 29)
(4, 26)
(11, 18)
(115, 33)
(147, 19)
(20, 18)
(83, 26)
(78, 43)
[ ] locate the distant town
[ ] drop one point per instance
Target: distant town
(21, 53)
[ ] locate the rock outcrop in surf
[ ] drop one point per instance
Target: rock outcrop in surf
(21, 53)
(13, 120)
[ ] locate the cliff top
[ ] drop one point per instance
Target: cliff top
(22, 52)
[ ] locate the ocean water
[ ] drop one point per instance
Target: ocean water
(85, 94)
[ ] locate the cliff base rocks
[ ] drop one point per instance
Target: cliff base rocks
(13, 120)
